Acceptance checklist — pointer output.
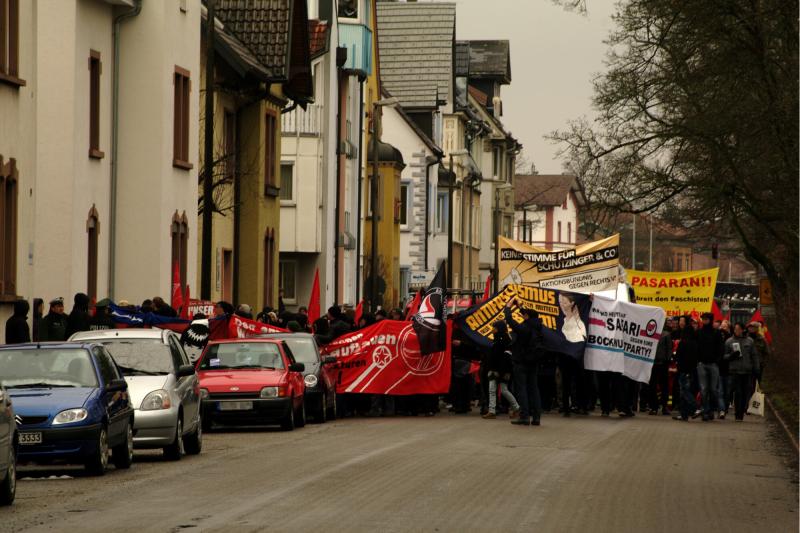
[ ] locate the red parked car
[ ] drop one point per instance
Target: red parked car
(251, 381)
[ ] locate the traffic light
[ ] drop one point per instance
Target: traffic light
(715, 251)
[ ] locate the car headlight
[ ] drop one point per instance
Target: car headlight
(204, 394)
(70, 416)
(158, 399)
(269, 392)
(311, 380)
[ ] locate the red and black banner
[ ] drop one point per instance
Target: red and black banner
(386, 358)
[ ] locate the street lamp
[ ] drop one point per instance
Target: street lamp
(450, 186)
(373, 197)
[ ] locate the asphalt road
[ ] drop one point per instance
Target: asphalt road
(446, 473)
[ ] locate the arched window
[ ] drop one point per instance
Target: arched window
(92, 232)
(8, 227)
(179, 231)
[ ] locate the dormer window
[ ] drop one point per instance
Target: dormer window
(348, 9)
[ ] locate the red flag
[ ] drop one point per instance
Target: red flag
(413, 307)
(177, 295)
(488, 288)
(185, 312)
(313, 303)
(359, 311)
(757, 317)
(716, 311)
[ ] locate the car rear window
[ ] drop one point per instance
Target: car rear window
(47, 368)
(141, 357)
(242, 355)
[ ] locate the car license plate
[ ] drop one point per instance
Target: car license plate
(30, 438)
(235, 406)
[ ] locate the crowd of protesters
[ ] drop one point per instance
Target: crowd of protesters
(703, 366)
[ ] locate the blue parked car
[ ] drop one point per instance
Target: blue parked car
(71, 404)
(8, 449)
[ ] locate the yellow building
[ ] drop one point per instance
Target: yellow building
(252, 85)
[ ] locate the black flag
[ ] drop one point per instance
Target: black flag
(428, 323)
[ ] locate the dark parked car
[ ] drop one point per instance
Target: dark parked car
(71, 404)
(8, 450)
(320, 383)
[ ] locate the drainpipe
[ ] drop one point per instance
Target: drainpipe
(360, 182)
(112, 211)
(428, 164)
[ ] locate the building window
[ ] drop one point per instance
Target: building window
(92, 231)
(559, 232)
(179, 231)
(269, 266)
(287, 182)
(405, 204)
(564, 204)
(569, 232)
(287, 276)
(9, 43)
(497, 162)
(8, 232)
(180, 144)
(508, 224)
(95, 69)
(229, 128)
(442, 212)
(270, 127)
(348, 9)
(457, 207)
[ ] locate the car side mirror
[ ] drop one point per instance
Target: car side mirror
(328, 360)
(184, 371)
(297, 367)
(117, 385)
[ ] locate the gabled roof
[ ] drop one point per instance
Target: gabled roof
(546, 189)
(235, 53)
(415, 41)
(276, 33)
(318, 37)
(479, 96)
(421, 134)
(490, 59)
(462, 58)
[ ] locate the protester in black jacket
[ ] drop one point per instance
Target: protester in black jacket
(687, 357)
(79, 317)
(659, 377)
(162, 308)
(710, 349)
(17, 329)
(498, 365)
(526, 350)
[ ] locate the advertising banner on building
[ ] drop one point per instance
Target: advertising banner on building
(677, 293)
(590, 267)
(565, 316)
(385, 358)
(623, 338)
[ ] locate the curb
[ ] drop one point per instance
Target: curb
(792, 436)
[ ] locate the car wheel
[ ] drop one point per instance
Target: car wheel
(98, 461)
(123, 453)
(300, 418)
(8, 488)
(333, 412)
(193, 443)
(287, 424)
(175, 451)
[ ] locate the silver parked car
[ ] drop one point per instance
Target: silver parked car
(162, 384)
(9, 440)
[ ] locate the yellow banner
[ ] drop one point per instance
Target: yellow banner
(590, 267)
(677, 293)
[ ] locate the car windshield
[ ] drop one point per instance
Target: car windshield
(47, 368)
(141, 357)
(242, 355)
(303, 349)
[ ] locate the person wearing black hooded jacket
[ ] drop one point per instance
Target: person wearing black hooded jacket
(17, 329)
(710, 348)
(79, 318)
(687, 357)
(525, 352)
(499, 370)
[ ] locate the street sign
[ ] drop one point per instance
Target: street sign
(765, 291)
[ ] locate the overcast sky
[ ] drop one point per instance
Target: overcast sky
(554, 55)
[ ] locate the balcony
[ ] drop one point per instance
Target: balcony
(358, 41)
(302, 122)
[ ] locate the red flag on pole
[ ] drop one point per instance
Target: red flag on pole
(177, 295)
(757, 317)
(185, 312)
(488, 288)
(715, 310)
(313, 303)
(413, 307)
(359, 311)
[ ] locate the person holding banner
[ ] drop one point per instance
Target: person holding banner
(499, 372)
(659, 378)
(525, 354)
